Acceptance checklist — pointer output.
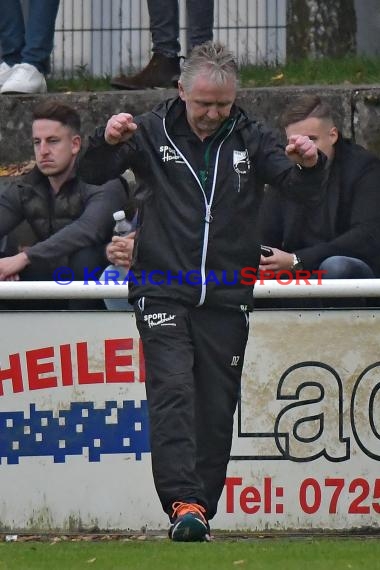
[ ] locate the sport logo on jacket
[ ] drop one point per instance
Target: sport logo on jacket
(168, 153)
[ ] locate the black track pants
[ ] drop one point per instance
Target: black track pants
(194, 359)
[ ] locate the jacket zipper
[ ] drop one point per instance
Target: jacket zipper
(208, 203)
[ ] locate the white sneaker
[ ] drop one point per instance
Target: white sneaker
(25, 78)
(5, 72)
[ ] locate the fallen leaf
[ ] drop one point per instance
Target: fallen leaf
(239, 562)
(17, 169)
(91, 561)
(277, 77)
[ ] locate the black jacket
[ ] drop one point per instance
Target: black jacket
(352, 212)
(197, 227)
(80, 215)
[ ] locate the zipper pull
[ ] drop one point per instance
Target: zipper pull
(208, 218)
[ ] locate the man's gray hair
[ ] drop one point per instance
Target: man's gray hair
(212, 59)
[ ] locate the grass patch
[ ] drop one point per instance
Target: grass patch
(82, 80)
(325, 71)
(79, 84)
(269, 554)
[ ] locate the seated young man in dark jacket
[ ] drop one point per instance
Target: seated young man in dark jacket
(338, 230)
(72, 220)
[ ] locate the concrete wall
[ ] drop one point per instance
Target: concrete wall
(357, 110)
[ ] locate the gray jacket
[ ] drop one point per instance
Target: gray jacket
(78, 216)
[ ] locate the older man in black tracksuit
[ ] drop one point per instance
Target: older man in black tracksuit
(200, 165)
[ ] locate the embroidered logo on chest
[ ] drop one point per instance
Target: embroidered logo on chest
(241, 162)
(168, 153)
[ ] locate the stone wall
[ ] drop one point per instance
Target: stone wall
(357, 110)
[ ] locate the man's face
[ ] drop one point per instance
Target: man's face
(55, 147)
(207, 105)
(321, 131)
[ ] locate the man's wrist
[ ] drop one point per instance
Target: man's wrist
(297, 263)
(320, 162)
(24, 257)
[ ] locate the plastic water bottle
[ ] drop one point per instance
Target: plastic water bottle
(122, 226)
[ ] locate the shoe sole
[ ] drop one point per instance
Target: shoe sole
(173, 82)
(139, 88)
(190, 529)
(22, 92)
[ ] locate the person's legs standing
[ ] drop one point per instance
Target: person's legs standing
(200, 21)
(163, 69)
(12, 31)
(12, 37)
(220, 339)
(165, 332)
(32, 62)
(193, 360)
(39, 34)
(164, 26)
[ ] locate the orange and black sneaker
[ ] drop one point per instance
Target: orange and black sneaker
(189, 523)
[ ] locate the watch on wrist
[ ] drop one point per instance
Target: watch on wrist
(297, 263)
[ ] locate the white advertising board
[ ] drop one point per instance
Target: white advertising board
(74, 444)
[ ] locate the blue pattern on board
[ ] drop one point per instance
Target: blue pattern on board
(116, 428)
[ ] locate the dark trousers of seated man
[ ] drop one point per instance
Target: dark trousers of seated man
(335, 267)
(194, 359)
(80, 265)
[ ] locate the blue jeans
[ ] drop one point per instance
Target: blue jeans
(120, 273)
(32, 41)
(341, 267)
(164, 24)
(337, 267)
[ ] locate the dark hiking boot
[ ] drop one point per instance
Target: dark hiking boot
(161, 71)
(189, 523)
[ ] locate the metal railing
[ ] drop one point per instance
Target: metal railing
(268, 289)
(105, 37)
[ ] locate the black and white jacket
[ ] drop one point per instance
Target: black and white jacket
(198, 228)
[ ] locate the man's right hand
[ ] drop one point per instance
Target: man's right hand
(10, 267)
(119, 250)
(119, 128)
